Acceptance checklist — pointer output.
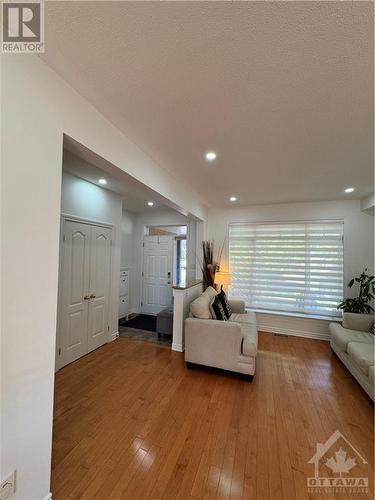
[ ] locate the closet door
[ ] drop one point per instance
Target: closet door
(100, 268)
(74, 291)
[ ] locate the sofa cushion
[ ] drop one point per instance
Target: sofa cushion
(247, 317)
(371, 373)
(362, 355)
(237, 305)
(360, 322)
(341, 336)
(200, 307)
(249, 339)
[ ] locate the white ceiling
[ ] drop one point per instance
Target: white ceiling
(282, 91)
(84, 164)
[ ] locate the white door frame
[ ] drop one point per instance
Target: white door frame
(74, 218)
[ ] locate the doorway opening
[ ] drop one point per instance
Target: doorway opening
(109, 220)
(163, 266)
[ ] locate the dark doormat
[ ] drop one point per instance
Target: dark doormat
(142, 322)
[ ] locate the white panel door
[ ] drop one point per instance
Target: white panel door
(100, 268)
(157, 273)
(74, 291)
(84, 290)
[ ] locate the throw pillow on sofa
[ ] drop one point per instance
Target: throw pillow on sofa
(217, 309)
(224, 302)
(200, 307)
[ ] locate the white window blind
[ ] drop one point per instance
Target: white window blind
(290, 267)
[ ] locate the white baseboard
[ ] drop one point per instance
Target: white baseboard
(48, 497)
(293, 326)
(292, 333)
(114, 336)
(178, 347)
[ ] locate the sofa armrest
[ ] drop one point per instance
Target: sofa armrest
(237, 305)
(210, 339)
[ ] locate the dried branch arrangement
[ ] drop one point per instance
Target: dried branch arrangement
(208, 265)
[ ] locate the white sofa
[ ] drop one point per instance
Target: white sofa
(229, 345)
(353, 343)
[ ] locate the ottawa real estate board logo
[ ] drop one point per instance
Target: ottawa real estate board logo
(338, 467)
(22, 27)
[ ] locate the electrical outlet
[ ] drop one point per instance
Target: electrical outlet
(8, 486)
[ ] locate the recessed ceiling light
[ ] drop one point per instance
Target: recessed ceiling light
(150, 203)
(232, 198)
(102, 181)
(349, 190)
(211, 156)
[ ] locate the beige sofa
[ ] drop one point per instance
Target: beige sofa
(354, 345)
(229, 345)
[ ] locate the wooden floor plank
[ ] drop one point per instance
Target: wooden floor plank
(131, 422)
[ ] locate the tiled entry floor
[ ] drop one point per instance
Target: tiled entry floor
(145, 336)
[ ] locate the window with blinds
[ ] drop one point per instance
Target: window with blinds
(288, 267)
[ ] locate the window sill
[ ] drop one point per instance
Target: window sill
(294, 315)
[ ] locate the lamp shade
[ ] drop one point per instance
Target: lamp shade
(223, 278)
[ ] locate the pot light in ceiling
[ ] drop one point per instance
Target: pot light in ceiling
(102, 181)
(232, 198)
(150, 203)
(211, 156)
(349, 190)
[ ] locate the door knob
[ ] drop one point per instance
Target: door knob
(86, 297)
(92, 296)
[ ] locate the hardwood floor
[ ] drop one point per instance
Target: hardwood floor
(131, 422)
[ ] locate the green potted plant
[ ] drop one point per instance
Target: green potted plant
(361, 304)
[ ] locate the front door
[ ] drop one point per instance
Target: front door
(157, 273)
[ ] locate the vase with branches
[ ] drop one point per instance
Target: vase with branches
(208, 264)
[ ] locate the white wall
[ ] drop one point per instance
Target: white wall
(128, 253)
(368, 204)
(358, 245)
(127, 238)
(84, 199)
(38, 107)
